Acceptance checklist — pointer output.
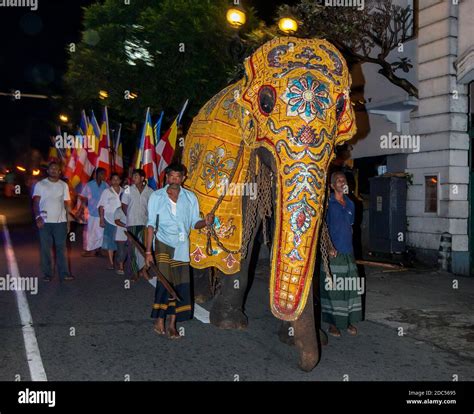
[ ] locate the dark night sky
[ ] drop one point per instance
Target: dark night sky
(33, 60)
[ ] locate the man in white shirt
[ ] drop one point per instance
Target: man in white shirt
(135, 206)
(109, 202)
(51, 208)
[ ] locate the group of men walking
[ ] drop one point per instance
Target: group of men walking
(170, 213)
(161, 220)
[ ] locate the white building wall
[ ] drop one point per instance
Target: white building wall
(441, 121)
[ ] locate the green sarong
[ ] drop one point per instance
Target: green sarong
(341, 295)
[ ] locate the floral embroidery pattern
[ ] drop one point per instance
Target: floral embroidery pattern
(307, 98)
(217, 168)
(194, 156)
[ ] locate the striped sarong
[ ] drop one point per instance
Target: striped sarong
(137, 261)
(341, 295)
(177, 274)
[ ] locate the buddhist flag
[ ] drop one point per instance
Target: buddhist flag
(103, 160)
(165, 148)
(148, 161)
(118, 154)
(83, 154)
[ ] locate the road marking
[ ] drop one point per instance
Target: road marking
(33, 356)
(200, 313)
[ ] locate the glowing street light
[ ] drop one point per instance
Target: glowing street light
(63, 118)
(236, 17)
(287, 25)
(103, 94)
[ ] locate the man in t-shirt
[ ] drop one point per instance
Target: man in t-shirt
(90, 196)
(51, 208)
(135, 206)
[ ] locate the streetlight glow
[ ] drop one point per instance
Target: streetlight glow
(63, 118)
(103, 94)
(288, 25)
(236, 17)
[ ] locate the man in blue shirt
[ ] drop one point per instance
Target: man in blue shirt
(90, 196)
(341, 303)
(172, 212)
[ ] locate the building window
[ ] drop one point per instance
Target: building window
(431, 194)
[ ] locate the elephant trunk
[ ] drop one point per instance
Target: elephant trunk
(298, 215)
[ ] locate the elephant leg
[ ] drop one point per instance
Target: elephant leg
(286, 333)
(202, 287)
(227, 308)
(306, 339)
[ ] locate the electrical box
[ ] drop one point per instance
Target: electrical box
(387, 214)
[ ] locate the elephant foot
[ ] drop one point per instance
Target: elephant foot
(308, 360)
(324, 337)
(286, 335)
(229, 319)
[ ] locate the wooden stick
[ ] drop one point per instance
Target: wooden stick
(153, 267)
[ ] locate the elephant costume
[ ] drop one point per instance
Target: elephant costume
(283, 119)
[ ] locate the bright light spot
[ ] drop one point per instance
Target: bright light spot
(288, 25)
(236, 17)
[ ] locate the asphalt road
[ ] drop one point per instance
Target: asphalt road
(95, 328)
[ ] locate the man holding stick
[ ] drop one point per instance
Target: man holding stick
(172, 211)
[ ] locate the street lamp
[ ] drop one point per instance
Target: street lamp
(103, 94)
(236, 17)
(63, 118)
(287, 25)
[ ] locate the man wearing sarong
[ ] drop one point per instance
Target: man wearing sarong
(341, 303)
(135, 206)
(173, 211)
(90, 196)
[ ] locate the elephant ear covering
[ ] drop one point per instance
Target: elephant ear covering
(210, 155)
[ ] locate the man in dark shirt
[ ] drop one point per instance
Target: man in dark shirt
(341, 303)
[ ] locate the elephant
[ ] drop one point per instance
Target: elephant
(262, 146)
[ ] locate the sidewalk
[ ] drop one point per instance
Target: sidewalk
(422, 302)
(425, 305)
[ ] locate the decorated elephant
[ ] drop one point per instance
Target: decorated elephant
(263, 146)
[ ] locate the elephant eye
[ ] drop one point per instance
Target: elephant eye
(266, 99)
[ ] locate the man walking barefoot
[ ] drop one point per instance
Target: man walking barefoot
(173, 211)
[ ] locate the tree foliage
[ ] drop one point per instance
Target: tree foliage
(363, 36)
(164, 51)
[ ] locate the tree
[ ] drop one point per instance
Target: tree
(362, 36)
(164, 52)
